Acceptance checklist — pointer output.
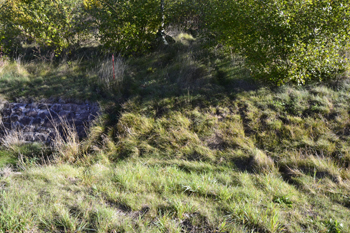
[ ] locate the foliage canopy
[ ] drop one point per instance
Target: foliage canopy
(285, 41)
(55, 24)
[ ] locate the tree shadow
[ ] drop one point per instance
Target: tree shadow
(171, 78)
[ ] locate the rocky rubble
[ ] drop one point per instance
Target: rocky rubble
(37, 121)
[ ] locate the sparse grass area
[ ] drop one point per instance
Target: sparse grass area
(188, 143)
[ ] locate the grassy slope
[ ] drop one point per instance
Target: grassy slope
(188, 142)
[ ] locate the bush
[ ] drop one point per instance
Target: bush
(132, 27)
(185, 14)
(126, 26)
(54, 24)
(285, 41)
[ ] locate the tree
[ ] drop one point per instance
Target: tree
(127, 26)
(285, 41)
(135, 26)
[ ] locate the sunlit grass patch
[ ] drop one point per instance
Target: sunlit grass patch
(151, 194)
(13, 71)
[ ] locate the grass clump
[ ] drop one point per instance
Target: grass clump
(261, 162)
(112, 75)
(66, 142)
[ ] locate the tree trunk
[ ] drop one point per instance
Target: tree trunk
(161, 33)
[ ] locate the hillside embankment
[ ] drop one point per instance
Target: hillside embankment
(186, 141)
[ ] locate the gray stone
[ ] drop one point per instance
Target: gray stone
(81, 131)
(51, 136)
(17, 111)
(18, 105)
(82, 108)
(44, 106)
(84, 115)
(61, 101)
(63, 114)
(36, 121)
(73, 107)
(7, 125)
(78, 122)
(16, 125)
(28, 136)
(31, 113)
(6, 119)
(48, 124)
(42, 130)
(56, 107)
(29, 128)
(6, 112)
(14, 117)
(71, 116)
(52, 115)
(66, 107)
(40, 137)
(34, 105)
(44, 115)
(92, 117)
(25, 120)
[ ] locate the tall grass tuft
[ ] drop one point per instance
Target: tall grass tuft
(66, 141)
(11, 139)
(261, 162)
(106, 72)
(13, 70)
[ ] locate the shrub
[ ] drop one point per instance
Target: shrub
(185, 14)
(126, 26)
(130, 27)
(285, 41)
(55, 24)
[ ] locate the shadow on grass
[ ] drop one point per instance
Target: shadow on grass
(50, 82)
(169, 71)
(172, 78)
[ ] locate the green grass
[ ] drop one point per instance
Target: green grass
(188, 142)
(40, 80)
(152, 195)
(6, 158)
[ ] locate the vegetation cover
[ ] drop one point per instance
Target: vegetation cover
(286, 41)
(53, 24)
(241, 124)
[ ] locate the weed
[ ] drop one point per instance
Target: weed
(166, 224)
(282, 200)
(12, 138)
(333, 226)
